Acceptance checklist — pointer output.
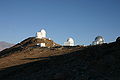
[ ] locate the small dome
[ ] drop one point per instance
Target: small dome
(41, 34)
(43, 31)
(70, 40)
(99, 38)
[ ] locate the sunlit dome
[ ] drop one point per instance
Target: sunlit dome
(99, 38)
(70, 40)
(41, 34)
(43, 31)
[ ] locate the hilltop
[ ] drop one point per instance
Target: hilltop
(98, 62)
(28, 43)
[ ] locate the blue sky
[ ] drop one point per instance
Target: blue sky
(82, 20)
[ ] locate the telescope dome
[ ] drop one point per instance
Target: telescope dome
(70, 40)
(43, 31)
(99, 38)
(41, 34)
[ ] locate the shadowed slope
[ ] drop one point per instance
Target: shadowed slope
(99, 62)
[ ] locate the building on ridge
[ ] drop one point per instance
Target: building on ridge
(98, 40)
(41, 44)
(41, 34)
(70, 42)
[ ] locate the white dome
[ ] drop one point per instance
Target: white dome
(70, 40)
(99, 38)
(41, 34)
(43, 31)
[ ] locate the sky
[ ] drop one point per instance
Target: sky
(82, 20)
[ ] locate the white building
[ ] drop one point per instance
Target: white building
(98, 40)
(41, 34)
(41, 44)
(70, 42)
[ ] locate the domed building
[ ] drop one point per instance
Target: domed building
(70, 42)
(41, 34)
(98, 40)
(118, 39)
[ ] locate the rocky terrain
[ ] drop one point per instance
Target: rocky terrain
(4, 45)
(25, 61)
(28, 43)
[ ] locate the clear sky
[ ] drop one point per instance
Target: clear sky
(82, 20)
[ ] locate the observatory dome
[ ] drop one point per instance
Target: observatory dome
(99, 38)
(70, 40)
(43, 31)
(41, 34)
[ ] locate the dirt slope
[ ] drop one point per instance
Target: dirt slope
(28, 43)
(100, 62)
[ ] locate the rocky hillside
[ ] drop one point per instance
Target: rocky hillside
(99, 62)
(27, 44)
(4, 45)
